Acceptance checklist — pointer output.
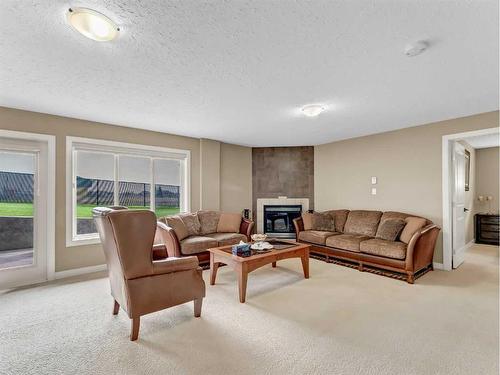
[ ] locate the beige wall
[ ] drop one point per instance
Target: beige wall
(406, 162)
(90, 255)
(470, 195)
(236, 178)
(487, 177)
(209, 174)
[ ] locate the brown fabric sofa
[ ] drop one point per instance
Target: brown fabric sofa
(213, 231)
(140, 284)
(354, 242)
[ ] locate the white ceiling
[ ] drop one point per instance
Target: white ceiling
(484, 141)
(237, 71)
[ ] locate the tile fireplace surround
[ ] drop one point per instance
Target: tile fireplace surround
(261, 202)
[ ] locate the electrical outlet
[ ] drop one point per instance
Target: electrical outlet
(374, 191)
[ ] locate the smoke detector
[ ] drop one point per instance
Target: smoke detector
(416, 48)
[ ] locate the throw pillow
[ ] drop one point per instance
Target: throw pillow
(208, 221)
(390, 229)
(413, 224)
(176, 223)
(229, 223)
(323, 222)
(307, 220)
(192, 223)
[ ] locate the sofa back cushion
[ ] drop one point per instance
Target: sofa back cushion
(413, 224)
(393, 215)
(390, 229)
(362, 222)
(176, 223)
(229, 223)
(192, 223)
(340, 217)
(208, 221)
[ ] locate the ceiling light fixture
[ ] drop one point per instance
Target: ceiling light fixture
(92, 24)
(416, 48)
(312, 110)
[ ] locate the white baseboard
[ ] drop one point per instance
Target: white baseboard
(438, 266)
(79, 271)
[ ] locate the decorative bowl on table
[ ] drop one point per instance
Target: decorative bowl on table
(258, 237)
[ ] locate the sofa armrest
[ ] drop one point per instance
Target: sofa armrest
(166, 236)
(246, 227)
(175, 265)
(420, 251)
(298, 223)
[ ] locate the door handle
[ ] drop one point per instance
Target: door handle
(466, 209)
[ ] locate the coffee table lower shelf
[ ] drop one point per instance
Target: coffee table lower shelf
(244, 265)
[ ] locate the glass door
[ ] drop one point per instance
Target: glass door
(23, 205)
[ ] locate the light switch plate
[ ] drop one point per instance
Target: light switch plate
(374, 191)
(374, 180)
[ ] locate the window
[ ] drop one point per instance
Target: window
(104, 173)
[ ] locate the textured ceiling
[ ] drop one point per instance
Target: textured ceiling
(237, 71)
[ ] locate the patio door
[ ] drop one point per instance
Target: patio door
(23, 211)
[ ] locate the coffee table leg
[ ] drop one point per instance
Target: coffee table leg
(242, 282)
(274, 264)
(305, 265)
(214, 266)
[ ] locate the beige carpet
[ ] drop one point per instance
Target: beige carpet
(340, 321)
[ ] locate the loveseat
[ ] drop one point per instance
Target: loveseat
(193, 233)
(356, 238)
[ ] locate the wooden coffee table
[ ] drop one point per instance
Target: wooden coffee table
(244, 265)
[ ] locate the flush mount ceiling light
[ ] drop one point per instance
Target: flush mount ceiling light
(416, 48)
(312, 110)
(92, 24)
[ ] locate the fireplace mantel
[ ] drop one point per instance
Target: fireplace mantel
(261, 202)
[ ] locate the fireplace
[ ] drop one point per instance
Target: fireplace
(278, 219)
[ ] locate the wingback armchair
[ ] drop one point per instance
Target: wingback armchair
(139, 284)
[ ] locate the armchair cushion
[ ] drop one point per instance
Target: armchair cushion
(229, 223)
(388, 249)
(197, 244)
(208, 221)
(176, 223)
(174, 265)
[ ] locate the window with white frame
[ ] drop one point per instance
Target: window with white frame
(105, 173)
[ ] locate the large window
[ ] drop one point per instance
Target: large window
(104, 173)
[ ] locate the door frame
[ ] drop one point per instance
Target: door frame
(50, 214)
(447, 184)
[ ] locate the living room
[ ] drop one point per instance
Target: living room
(207, 146)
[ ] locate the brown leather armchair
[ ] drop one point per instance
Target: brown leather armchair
(140, 284)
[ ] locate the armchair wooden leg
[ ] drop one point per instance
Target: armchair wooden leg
(197, 307)
(134, 333)
(116, 308)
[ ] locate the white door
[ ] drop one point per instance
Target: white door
(23, 212)
(459, 209)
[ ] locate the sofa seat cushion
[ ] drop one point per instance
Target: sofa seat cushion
(316, 236)
(197, 244)
(384, 248)
(362, 222)
(224, 239)
(346, 241)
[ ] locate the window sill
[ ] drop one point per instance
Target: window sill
(82, 241)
